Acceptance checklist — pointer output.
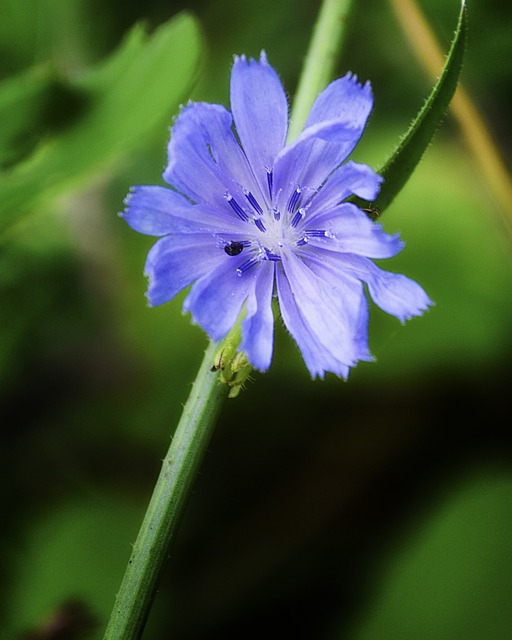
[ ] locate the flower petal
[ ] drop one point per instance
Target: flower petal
(350, 178)
(157, 211)
(217, 298)
(317, 357)
(394, 293)
(258, 325)
(343, 99)
(177, 260)
(397, 294)
(351, 231)
(349, 291)
(312, 157)
(326, 310)
(260, 111)
(332, 130)
(204, 157)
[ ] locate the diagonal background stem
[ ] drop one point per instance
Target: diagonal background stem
(320, 61)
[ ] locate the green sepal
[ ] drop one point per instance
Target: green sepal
(413, 144)
(233, 366)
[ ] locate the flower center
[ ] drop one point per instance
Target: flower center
(270, 228)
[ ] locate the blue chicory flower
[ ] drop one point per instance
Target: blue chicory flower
(250, 217)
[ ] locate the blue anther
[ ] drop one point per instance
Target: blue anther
(317, 233)
(247, 265)
(299, 215)
(272, 256)
(253, 202)
(259, 223)
(294, 199)
(270, 181)
(236, 207)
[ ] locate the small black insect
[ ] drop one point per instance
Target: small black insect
(234, 248)
(372, 212)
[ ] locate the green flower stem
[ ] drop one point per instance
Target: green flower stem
(320, 62)
(179, 469)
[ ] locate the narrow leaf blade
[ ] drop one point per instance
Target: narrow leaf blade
(410, 149)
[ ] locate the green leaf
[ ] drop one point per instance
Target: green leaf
(71, 553)
(32, 102)
(409, 151)
(449, 575)
(123, 99)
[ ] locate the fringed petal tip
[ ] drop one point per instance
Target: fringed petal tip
(149, 302)
(399, 296)
(339, 369)
(413, 300)
(132, 213)
(128, 199)
(242, 59)
(354, 79)
(424, 305)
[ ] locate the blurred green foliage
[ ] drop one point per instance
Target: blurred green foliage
(374, 508)
(447, 580)
(114, 106)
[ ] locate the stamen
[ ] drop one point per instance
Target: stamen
(299, 215)
(270, 181)
(247, 265)
(277, 213)
(253, 202)
(318, 233)
(294, 199)
(236, 207)
(271, 256)
(302, 241)
(259, 223)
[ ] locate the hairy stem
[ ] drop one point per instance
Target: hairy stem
(163, 515)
